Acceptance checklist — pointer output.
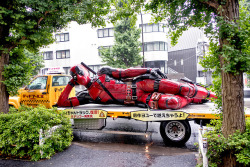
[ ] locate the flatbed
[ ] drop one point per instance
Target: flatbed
(174, 127)
(195, 111)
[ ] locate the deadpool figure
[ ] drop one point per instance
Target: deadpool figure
(133, 86)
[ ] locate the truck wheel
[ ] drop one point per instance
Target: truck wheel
(175, 132)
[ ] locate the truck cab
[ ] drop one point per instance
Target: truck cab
(43, 89)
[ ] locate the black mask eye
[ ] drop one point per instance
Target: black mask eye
(73, 75)
(79, 71)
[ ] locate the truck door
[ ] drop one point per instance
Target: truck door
(59, 83)
(36, 92)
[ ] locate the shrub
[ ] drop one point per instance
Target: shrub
(238, 144)
(19, 132)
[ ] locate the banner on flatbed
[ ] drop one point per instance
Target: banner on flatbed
(85, 114)
(158, 115)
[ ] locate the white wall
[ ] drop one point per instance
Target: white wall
(84, 42)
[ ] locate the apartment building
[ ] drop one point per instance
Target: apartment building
(75, 44)
(81, 43)
(185, 56)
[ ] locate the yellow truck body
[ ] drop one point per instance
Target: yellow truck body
(43, 89)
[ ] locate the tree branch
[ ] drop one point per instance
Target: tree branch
(213, 3)
(41, 19)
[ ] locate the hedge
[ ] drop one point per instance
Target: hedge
(19, 133)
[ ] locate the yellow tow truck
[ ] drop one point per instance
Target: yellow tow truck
(43, 89)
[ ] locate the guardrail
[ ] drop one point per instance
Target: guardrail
(203, 144)
(46, 134)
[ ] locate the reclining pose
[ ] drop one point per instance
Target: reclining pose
(133, 86)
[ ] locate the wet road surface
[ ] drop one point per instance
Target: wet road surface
(119, 150)
(77, 156)
(91, 149)
(130, 139)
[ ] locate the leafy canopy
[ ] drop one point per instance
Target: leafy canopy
(23, 65)
(237, 53)
(182, 14)
(29, 24)
(126, 49)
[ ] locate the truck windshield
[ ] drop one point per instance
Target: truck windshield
(38, 83)
(60, 80)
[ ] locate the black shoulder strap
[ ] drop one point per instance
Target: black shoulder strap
(107, 91)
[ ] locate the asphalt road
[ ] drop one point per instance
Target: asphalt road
(77, 156)
(90, 149)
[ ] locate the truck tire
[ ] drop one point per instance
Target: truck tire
(175, 133)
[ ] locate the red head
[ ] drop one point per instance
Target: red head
(80, 74)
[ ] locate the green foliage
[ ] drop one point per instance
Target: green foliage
(236, 52)
(181, 14)
(125, 9)
(29, 24)
(19, 132)
(234, 35)
(126, 49)
(23, 65)
(211, 61)
(218, 145)
(87, 11)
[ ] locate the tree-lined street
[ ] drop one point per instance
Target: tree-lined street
(27, 25)
(101, 149)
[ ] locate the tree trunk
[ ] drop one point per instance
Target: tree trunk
(232, 90)
(229, 160)
(4, 55)
(232, 103)
(232, 84)
(4, 96)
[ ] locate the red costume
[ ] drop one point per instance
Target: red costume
(139, 86)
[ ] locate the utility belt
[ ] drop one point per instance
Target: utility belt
(154, 100)
(130, 93)
(131, 96)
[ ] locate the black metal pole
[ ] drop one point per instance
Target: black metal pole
(143, 61)
(88, 68)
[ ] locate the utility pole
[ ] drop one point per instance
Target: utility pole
(142, 39)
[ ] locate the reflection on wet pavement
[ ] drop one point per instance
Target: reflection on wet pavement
(147, 145)
(148, 149)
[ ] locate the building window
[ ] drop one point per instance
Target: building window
(62, 54)
(181, 61)
(66, 69)
(175, 63)
(106, 32)
(201, 74)
(162, 46)
(155, 46)
(48, 55)
(103, 47)
(44, 71)
(95, 68)
(162, 65)
(159, 27)
(63, 37)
